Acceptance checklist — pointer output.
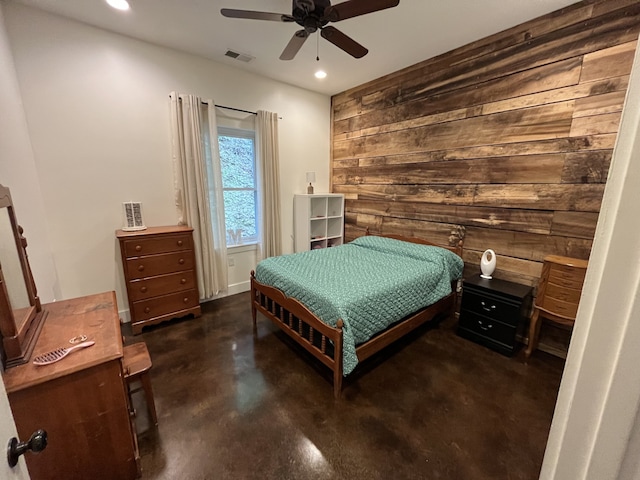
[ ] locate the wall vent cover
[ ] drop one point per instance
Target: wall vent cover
(243, 57)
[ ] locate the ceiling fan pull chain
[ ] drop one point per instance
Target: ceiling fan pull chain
(318, 48)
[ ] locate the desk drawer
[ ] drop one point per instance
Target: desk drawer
(162, 244)
(149, 287)
(159, 264)
(490, 306)
(159, 306)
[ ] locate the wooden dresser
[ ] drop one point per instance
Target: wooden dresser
(159, 270)
(80, 400)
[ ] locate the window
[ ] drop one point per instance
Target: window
(238, 165)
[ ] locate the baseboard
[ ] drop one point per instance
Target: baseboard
(232, 290)
(125, 316)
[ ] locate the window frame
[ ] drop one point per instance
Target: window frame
(246, 134)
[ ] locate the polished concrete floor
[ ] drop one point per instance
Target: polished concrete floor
(232, 405)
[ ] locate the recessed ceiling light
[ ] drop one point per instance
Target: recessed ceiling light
(119, 4)
(321, 74)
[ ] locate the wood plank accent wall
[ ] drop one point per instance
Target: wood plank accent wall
(510, 136)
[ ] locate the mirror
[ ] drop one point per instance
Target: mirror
(21, 315)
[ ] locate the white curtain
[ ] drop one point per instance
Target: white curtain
(198, 187)
(270, 243)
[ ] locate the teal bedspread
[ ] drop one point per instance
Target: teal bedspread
(369, 283)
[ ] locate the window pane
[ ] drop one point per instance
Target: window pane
(236, 161)
(240, 212)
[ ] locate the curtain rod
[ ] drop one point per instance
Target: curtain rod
(234, 109)
(222, 106)
(229, 108)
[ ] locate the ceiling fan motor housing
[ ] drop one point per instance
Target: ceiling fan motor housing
(309, 14)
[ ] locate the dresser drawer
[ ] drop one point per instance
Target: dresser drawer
(149, 287)
(492, 330)
(160, 264)
(168, 304)
(491, 306)
(161, 244)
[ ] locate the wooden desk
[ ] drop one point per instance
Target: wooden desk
(81, 400)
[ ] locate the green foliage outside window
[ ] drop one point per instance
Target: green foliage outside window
(237, 158)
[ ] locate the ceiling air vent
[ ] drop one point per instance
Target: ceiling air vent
(243, 57)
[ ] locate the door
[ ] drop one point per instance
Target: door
(7, 431)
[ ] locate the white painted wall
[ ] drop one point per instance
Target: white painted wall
(18, 172)
(97, 109)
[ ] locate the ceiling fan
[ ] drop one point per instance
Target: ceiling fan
(313, 15)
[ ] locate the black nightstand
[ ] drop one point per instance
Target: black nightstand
(492, 311)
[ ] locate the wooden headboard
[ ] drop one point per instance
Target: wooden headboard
(455, 241)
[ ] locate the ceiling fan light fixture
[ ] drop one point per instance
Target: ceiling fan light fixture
(119, 4)
(320, 74)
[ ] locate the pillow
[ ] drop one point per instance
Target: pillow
(426, 253)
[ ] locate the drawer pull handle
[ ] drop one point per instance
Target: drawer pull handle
(138, 248)
(185, 299)
(147, 310)
(483, 327)
(143, 289)
(488, 309)
(179, 243)
(140, 268)
(181, 261)
(183, 281)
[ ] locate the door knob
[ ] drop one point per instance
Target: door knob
(36, 443)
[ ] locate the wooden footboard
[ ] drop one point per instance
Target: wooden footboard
(297, 321)
(323, 341)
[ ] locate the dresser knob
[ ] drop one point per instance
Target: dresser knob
(140, 268)
(179, 243)
(181, 261)
(143, 289)
(138, 248)
(183, 281)
(147, 310)
(185, 299)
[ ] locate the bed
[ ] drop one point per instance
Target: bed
(343, 304)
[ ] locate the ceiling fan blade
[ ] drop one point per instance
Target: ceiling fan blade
(294, 45)
(253, 15)
(355, 8)
(344, 42)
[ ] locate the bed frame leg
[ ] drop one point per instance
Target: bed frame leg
(337, 383)
(337, 367)
(253, 302)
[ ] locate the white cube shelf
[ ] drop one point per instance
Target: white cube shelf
(318, 221)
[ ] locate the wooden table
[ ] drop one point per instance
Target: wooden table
(80, 400)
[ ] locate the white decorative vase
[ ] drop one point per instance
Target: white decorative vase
(488, 263)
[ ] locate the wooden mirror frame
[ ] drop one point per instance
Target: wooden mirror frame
(18, 340)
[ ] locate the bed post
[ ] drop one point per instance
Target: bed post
(253, 300)
(337, 358)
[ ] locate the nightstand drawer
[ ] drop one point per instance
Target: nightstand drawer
(492, 330)
(491, 306)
